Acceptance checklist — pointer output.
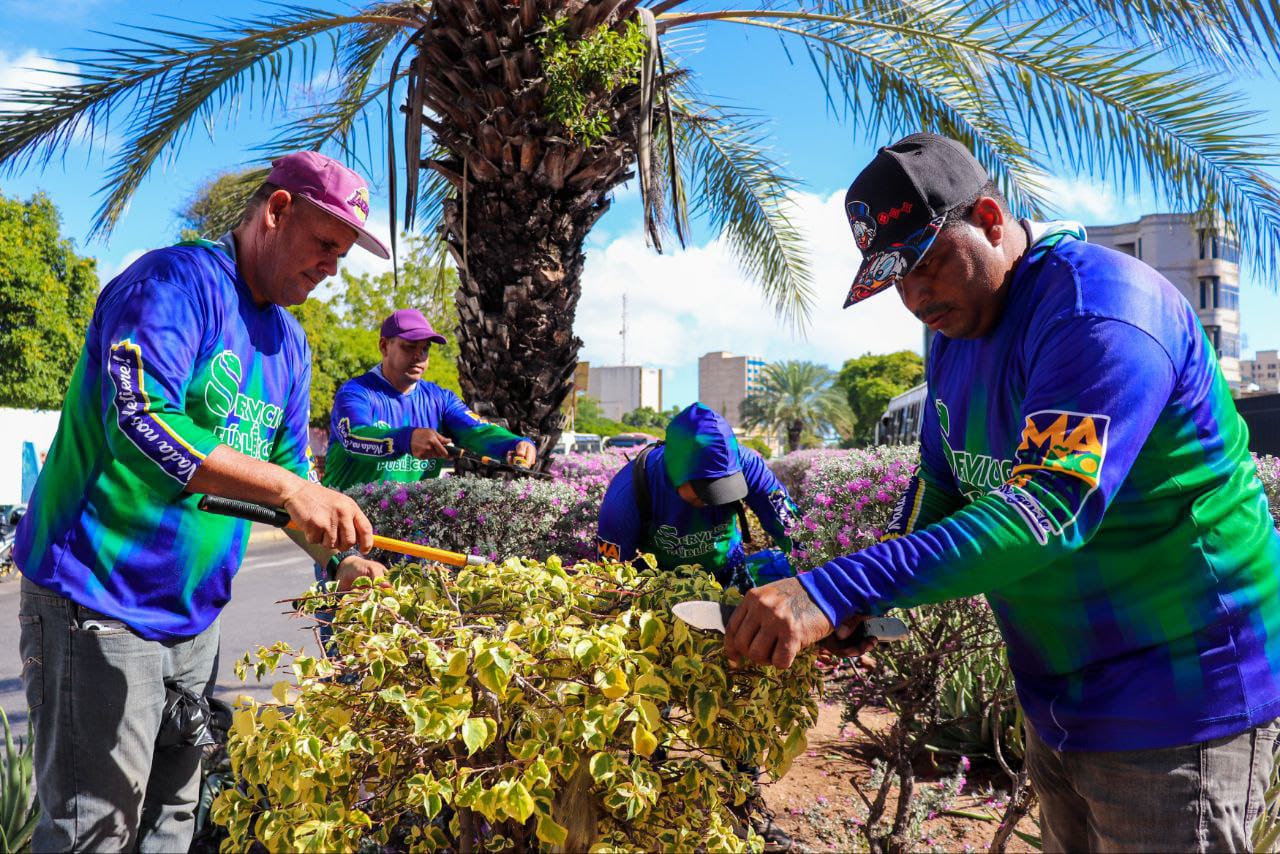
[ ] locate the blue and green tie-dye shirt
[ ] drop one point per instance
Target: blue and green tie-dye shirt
(1085, 468)
(178, 359)
(680, 534)
(371, 431)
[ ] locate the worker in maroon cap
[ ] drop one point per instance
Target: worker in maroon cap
(391, 424)
(194, 378)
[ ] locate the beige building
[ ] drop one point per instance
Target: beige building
(725, 380)
(1203, 262)
(1263, 370)
(623, 388)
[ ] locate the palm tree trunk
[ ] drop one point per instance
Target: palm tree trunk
(794, 431)
(520, 271)
(525, 198)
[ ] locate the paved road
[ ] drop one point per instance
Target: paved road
(273, 569)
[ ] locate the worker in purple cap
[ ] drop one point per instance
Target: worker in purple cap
(391, 424)
(194, 378)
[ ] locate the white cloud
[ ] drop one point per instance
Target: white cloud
(1089, 201)
(360, 261)
(695, 301)
(105, 275)
(33, 70)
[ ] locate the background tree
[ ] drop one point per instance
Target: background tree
(871, 380)
(649, 420)
(796, 398)
(590, 418)
(47, 293)
(526, 116)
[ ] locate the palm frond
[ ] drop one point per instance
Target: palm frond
(166, 81)
(344, 119)
(1136, 116)
(742, 193)
(887, 85)
(1228, 34)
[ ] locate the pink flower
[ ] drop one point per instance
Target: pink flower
(450, 512)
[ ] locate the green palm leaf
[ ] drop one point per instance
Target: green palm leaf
(1136, 116)
(166, 88)
(795, 398)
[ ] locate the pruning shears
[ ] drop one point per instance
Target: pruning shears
(714, 617)
(524, 471)
(280, 519)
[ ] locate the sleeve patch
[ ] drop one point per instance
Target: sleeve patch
(145, 429)
(1072, 443)
(606, 550)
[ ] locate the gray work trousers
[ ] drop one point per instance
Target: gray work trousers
(1194, 797)
(96, 691)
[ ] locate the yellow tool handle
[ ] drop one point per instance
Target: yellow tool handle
(280, 519)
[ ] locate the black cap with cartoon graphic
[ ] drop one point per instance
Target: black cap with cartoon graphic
(898, 204)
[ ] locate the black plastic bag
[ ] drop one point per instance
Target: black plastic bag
(186, 719)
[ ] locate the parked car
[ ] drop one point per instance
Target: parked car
(578, 443)
(629, 440)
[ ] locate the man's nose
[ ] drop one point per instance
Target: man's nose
(329, 266)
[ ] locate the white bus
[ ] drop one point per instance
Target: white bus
(900, 424)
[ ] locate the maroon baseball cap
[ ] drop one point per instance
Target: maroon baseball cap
(409, 324)
(330, 186)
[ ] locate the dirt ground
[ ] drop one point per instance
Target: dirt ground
(816, 802)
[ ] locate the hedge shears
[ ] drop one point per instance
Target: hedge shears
(514, 468)
(280, 519)
(714, 617)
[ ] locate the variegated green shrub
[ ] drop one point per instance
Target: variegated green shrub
(512, 706)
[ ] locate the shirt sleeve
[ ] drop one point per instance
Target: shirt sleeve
(930, 495)
(473, 433)
(150, 339)
(769, 500)
(292, 449)
(1082, 431)
(356, 426)
(618, 528)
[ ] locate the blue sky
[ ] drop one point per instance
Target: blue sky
(680, 304)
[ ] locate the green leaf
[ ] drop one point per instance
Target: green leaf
(519, 803)
(550, 832)
(493, 669)
(705, 708)
(601, 766)
(653, 685)
(477, 733)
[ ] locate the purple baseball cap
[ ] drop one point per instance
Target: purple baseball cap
(330, 186)
(409, 324)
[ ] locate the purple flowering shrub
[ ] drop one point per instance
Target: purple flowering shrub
(588, 472)
(493, 518)
(1269, 474)
(846, 497)
(947, 684)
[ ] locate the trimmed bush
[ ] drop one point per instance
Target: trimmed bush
(509, 707)
(496, 519)
(846, 497)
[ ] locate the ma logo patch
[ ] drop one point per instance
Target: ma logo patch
(1055, 440)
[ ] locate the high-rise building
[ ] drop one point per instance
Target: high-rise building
(725, 380)
(1263, 370)
(1202, 261)
(622, 388)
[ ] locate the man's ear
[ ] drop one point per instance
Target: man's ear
(990, 218)
(383, 344)
(276, 208)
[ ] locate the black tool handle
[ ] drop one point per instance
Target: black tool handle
(244, 510)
